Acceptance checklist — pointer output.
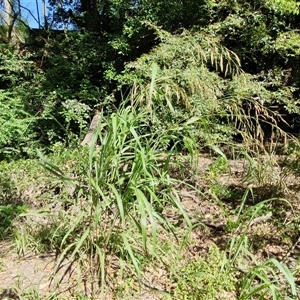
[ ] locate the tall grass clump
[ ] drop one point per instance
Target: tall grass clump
(120, 197)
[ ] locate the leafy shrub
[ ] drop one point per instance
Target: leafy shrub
(193, 76)
(17, 135)
(175, 83)
(7, 215)
(205, 278)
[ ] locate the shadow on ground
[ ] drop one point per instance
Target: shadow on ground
(10, 206)
(8, 294)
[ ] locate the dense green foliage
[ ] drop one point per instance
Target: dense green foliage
(167, 80)
(210, 60)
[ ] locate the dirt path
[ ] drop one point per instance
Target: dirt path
(35, 274)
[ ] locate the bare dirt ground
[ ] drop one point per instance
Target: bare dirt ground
(35, 274)
(274, 234)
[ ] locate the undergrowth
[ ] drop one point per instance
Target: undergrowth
(107, 208)
(154, 207)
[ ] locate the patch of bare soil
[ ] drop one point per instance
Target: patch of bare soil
(274, 233)
(35, 275)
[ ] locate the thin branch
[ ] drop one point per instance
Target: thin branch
(261, 219)
(30, 13)
(38, 13)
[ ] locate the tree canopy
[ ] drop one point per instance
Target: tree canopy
(198, 58)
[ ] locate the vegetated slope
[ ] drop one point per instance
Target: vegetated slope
(53, 82)
(134, 221)
(154, 205)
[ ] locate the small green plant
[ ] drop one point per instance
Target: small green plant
(218, 168)
(272, 279)
(16, 133)
(205, 278)
(7, 215)
(220, 191)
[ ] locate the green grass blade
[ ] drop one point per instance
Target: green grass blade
(134, 260)
(153, 77)
(101, 255)
(286, 272)
(72, 229)
(176, 201)
(146, 209)
(119, 202)
(80, 243)
(141, 209)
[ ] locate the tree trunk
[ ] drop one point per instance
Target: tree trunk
(94, 124)
(8, 13)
